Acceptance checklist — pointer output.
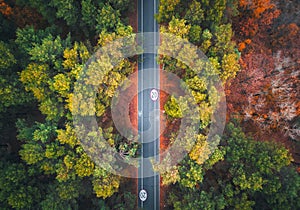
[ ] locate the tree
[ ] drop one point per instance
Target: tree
(190, 173)
(11, 90)
(125, 201)
(204, 24)
(84, 19)
(53, 147)
(68, 10)
(257, 166)
(88, 11)
(194, 14)
(54, 155)
(223, 41)
(198, 86)
(254, 13)
(246, 178)
(214, 13)
(202, 200)
(167, 10)
(172, 108)
(48, 167)
(20, 16)
(28, 37)
(104, 183)
(195, 34)
(107, 19)
(121, 5)
(230, 66)
(14, 189)
(178, 27)
(206, 40)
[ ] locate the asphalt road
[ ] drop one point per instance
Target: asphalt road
(148, 121)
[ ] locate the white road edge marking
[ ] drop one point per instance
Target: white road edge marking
(142, 125)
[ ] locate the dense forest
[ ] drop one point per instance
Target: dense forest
(253, 48)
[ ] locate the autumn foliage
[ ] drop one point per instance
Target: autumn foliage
(265, 93)
(5, 9)
(254, 14)
(253, 46)
(21, 15)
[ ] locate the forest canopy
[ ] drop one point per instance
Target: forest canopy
(44, 46)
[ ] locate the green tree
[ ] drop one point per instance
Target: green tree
(167, 9)
(7, 59)
(52, 154)
(14, 187)
(105, 184)
(191, 174)
(214, 12)
(68, 10)
(251, 175)
(89, 12)
(194, 14)
(11, 90)
(52, 170)
(121, 5)
(53, 148)
(195, 34)
(107, 19)
(206, 40)
(202, 200)
(125, 201)
(223, 41)
(84, 19)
